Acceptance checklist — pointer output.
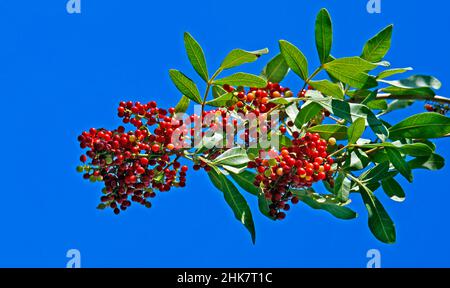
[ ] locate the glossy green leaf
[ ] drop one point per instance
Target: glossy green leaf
(324, 35)
(421, 126)
(379, 104)
(234, 199)
(391, 72)
(375, 174)
(415, 149)
(295, 59)
(196, 56)
(182, 105)
(185, 85)
(325, 202)
(218, 91)
(227, 99)
(415, 81)
(352, 71)
(330, 130)
(242, 79)
(424, 93)
(399, 163)
(432, 162)
(397, 105)
(393, 189)
(328, 88)
(380, 223)
(307, 112)
(233, 157)
(238, 57)
(245, 180)
(283, 101)
(356, 130)
(276, 69)
(358, 160)
(350, 112)
(342, 187)
(377, 47)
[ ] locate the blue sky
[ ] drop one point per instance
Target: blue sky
(61, 74)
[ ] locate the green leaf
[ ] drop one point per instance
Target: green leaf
(242, 79)
(375, 174)
(330, 130)
(294, 58)
(285, 141)
(324, 35)
(399, 163)
(182, 105)
(342, 187)
(356, 130)
(352, 71)
(245, 180)
(238, 57)
(307, 112)
(233, 157)
(325, 202)
(432, 162)
(276, 69)
(328, 88)
(377, 47)
(227, 99)
(391, 72)
(396, 105)
(234, 199)
(378, 104)
(393, 189)
(283, 101)
(416, 81)
(415, 149)
(185, 85)
(350, 112)
(380, 223)
(418, 93)
(218, 91)
(196, 56)
(421, 126)
(358, 160)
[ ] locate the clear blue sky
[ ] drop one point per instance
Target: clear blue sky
(61, 74)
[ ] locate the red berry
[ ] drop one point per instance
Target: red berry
(155, 148)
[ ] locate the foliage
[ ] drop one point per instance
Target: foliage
(354, 150)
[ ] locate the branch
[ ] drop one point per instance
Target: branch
(436, 98)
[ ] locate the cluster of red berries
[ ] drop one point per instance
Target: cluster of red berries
(298, 166)
(134, 164)
(438, 108)
(256, 100)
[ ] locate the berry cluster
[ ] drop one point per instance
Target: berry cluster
(134, 164)
(256, 100)
(438, 108)
(298, 166)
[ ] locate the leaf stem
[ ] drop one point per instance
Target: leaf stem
(314, 74)
(208, 87)
(340, 150)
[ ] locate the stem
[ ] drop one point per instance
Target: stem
(208, 87)
(317, 71)
(340, 150)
